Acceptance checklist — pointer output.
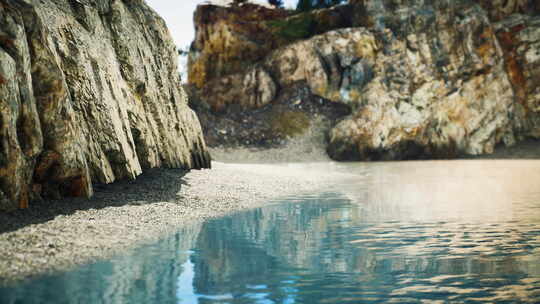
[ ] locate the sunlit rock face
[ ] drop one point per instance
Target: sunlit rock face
(424, 79)
(496, 9)
(89, 92)
(447, 82)
(230, 42)
(334, 65)
(228, 38)
(439, 87)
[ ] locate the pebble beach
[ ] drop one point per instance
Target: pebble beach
(57, 235)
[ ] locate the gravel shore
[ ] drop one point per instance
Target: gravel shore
(55, 236)
(58, 235)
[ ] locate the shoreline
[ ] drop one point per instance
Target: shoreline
(527, 149)
(56, 236)
(125, 215)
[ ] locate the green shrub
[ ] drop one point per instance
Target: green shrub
(296, 27)
(307, 5)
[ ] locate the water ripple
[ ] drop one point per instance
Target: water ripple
(430, 232)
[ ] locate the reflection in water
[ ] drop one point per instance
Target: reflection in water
(390, 232)
(146, 275)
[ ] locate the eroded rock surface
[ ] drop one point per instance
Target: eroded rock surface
(443, 84)
(519, 37)
(439, 88)
(501, 9)
(89, 92)
(230, 39)
(424, 79)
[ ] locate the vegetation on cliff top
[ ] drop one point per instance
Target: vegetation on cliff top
(307, 5)
(294, 28)
(276, 3)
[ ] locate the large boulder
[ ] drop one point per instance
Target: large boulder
(439, 87)
(333, 65)
(89, 92)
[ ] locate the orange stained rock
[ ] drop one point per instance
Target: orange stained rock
(512, 65)
(23, 201)
(486, 48)
(47, 161)
(79, 187)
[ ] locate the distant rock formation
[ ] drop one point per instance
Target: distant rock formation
(423, 79)
(230, 39)
(89, 92)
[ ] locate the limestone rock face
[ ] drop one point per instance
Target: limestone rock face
(229, 39)
(443, 85)
(519, 37)
(89, 92)
(439, 89)
(424, 79)
(500, 9)
(253, 89)
(496, 9)
(333, 65)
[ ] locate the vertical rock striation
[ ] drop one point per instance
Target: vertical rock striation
(519, 37)
(228, 38)
(89, 92)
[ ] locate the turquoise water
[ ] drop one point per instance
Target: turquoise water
(412, 232)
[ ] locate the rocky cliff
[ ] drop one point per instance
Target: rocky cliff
(88, 93)
(422, 79)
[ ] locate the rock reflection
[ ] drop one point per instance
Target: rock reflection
(145, 275)
(399, 232)
(320, 248)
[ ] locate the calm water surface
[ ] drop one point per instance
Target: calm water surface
(413, 232)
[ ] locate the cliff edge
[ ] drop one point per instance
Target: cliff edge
(89, 92)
